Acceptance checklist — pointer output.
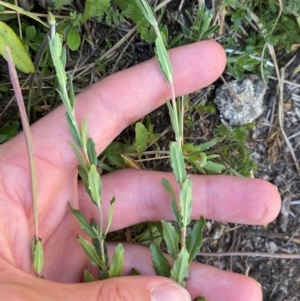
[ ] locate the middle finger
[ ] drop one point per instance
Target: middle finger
(141, 197)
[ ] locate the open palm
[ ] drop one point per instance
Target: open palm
(112, 105)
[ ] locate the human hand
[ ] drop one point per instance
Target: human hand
(111, 105)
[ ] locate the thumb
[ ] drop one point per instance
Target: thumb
(17, 285)
(131, 288)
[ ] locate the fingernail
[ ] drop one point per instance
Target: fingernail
(169, 292)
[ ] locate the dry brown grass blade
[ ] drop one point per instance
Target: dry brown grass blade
(280, 76)
(27, 135)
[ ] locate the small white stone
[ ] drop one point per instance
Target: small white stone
(241, 102)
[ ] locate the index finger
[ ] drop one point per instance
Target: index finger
(117, 101)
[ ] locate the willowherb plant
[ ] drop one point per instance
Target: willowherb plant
(84, 149)
(186, 250)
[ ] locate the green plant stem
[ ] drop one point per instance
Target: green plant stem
(173, 98)
(179, 139)
(101, 240)
(28, 139)
(182, 121)
(183, 237)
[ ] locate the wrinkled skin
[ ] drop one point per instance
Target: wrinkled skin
(112, 105)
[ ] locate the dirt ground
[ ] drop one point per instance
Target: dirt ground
(279, 277)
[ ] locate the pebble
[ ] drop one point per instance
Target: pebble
(241, 102)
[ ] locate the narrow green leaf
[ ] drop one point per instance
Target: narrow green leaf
(84, 132)
(87, 276)
(174, 120)
(180, 270)
(71, 91)
(91, 253)
(214, 167)
(177, 162)
(73, 39)
(117, 262)
(95, 240)
(78, 154)
(38, 257)
(163, 59)
(173, 204)
(200, 299)
(141, 137)
(160, 263)
(84, 225)
(190, 148)
(63, 59)
(110, 214)
(91, 151)
(18, 52)
(194, 239)
(146, 10)
(171, 238)
(186, 200)
(84, 177)
(55, 46)
(204, 146)
(95, 185)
